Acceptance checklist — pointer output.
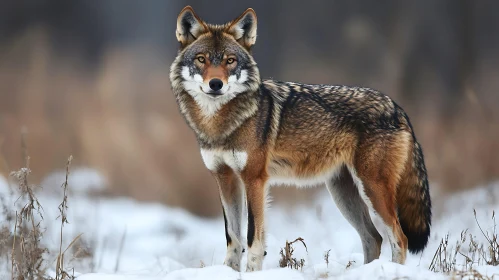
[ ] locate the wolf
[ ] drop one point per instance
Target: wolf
(255, 133)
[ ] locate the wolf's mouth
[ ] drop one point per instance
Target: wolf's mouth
(213, 94)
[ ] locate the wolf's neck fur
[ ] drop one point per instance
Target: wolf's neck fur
(215, 128)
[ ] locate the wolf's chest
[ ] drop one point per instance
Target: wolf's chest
(234, 159)
(280, 172)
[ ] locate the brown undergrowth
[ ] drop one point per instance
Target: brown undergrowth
(287, 259)
(461, 260)
(23, 228)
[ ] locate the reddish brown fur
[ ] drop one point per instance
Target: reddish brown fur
(215, 71)
(380, 167)
(408, 200)
(306, 132)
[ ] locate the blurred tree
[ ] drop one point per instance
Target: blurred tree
(91, 78)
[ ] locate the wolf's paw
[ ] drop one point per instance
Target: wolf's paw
(233, 258)
(254, 262)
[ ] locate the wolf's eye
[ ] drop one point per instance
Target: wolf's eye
(201, 59)
(230, 60)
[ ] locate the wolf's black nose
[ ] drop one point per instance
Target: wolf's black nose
(216, 84)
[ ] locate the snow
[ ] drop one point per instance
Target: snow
(376, 269)
(83, 181)
(160, 242)
(5, 189)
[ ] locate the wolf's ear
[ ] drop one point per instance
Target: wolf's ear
(244, 28)
(189, 26)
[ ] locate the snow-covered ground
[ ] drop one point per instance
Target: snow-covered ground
(131, 240)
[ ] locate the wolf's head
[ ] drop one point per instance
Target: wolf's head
(214, 64)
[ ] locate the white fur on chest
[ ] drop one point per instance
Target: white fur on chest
(234, 159)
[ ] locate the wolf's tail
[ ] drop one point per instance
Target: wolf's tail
(413, 201)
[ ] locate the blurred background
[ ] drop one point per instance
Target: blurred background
(90, 78)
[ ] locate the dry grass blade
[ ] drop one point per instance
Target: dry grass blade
(60, 260)
(287, 259)
(63, 207)
(122, 243)
(492, 253)
(27, 251)
(13, 248)
(326, 257)
(480, 227)
(302, 241)
(349, 264)
(27, 260)
(475, 254)
(472, 275)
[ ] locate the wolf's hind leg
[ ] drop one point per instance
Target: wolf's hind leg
(378, 164)
(381, 195)
(346, 196)
(231, 196)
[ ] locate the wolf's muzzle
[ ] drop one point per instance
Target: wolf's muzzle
(216, 84)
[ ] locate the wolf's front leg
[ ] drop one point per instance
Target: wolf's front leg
(256, 196)
(231, 196)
